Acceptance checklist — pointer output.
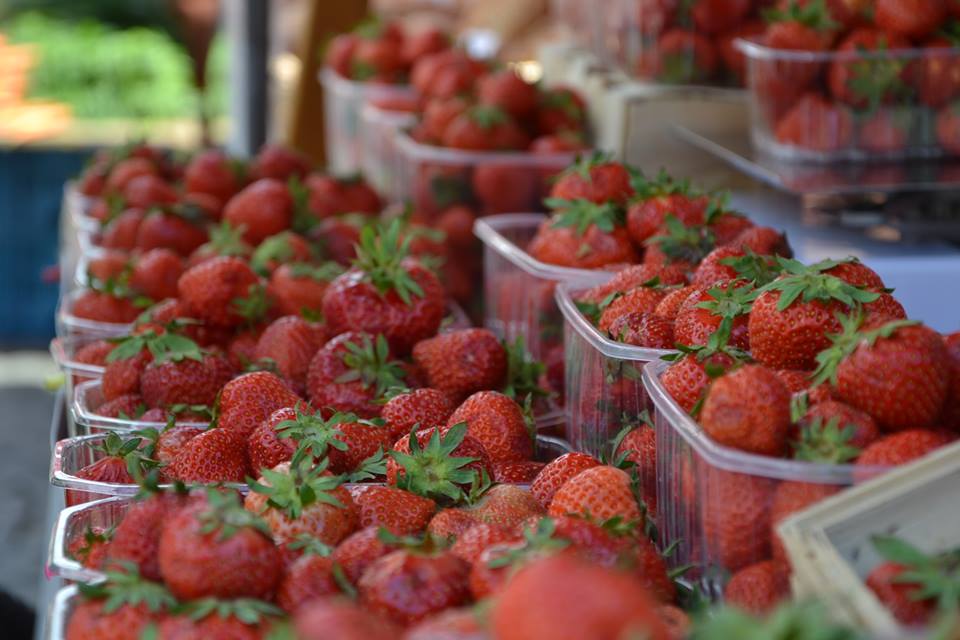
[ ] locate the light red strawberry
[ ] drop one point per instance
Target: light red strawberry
(472, 542)
(341, 619)
(172, 439)
(735, 509)
(505, 505)
(449, 524)
(517, 471)
(360, 549)
(191, 380)
(748, 409)
(399, 511)
(137, 536)
(903, 447)
(248, 400)
(600, 492)
(557, 472)
(215, 291)
(462, 362)
(758, 588)
(419, 408)
(309, 577)
(498, 423)
(217, 455)
(290, 343)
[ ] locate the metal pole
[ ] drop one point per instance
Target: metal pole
(247, 27)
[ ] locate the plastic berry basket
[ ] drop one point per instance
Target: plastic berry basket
(815, 107)
(62, 350)
(78, 208)
(60, 611)
(343, 101)
(829, 544)
(713, 501)
(69, 325)
(379, 154)
(434, 178)
(88, 397)
(602, 379)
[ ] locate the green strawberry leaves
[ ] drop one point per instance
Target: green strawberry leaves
(847, 341)
(254, 306)
(681, 243)
(663, 184)
(594, 310)
(167, 346)
(760, 270)
(380, 255)
(826, 443)
(936, 575)
(249, 611)
(227, 240)
(318, 273)
(128, 587)
(309, 545)
(225, 515)
(791, 621)
(369, 363)
(314, 435)
(433, 471)
(537, 540)
(813, 14)
(300, 487)
(809, 283)
(581, 214)
(730, 301)
(523, 372)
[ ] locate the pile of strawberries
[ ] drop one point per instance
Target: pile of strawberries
(382, 52)
(862, 98)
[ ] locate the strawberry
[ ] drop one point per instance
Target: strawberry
(596, 178)
(600, 492)
(669, 305)
(192, 379)
(484, 128)
(116, 458)
(508, 91)
(137, 536)
(224, 241)
(178, 229)
(948, 128)
(279, 163)
(423, 43)
(365, 442)
(352, 372)
(734, 61)
(792, 316)
(438, 114)
(385, 292)
(335, 619)
(630, 278)
(419, 408)
(241, 619)
(408, 586)
(865, 364)
(951, 407)
(677, 244)
(221, 291)
(298, 287)
(213, 173)
(658, 197)
(902, 447)
(791, 497)
(309, 577)
(554, 595)
(155, 274)
(815, 124)
(505, 505)
(561, 109)
(936, 80)
(282, 248)
(556, 473)
(584, 236)
(361, 548)
(643, 330)
(172, 439)
(758, 588)
(834, 432)
(498, 423)
(267, 446)
(121, 376)
(732, 262)
(103, 307)
(681, 57)
(462, 362)
(748, 409)
(248, 400)
(639, 446)
(438, 463)
(736, 518)
(764, 241)
(504, 188)
(464, 622)
(472, 542)
(120, 610)
(885, 131)
(121, 231)
(296, 498)
(688, 378)
(126, 170)
(262, 209)
(911, 584)
(913, 19)
(868, 83)
(128, 405)
(516, 472)
(147, 191)
(721, 306)
(643, 299)
(290, 343)
(217, 455)
(449, 524)
(90, 550)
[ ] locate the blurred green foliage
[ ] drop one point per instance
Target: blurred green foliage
(107, 72)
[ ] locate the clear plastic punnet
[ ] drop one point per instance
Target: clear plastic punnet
(379, 128)
(852, 105)
(78, 207)
(69, 325)
(88, 397)
(343, 101)
(63, 351)
(64, 602)
(715, 503)
(602, 379)
(435, 178)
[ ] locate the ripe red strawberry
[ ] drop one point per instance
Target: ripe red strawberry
(104, 307)
(213, 173)
(584, 236)
(498, 423)
(758, 588)
(192, 379)
(951, 408)
(385, 293)
(556, 473)
(669, 305)
(212, 547)
(263, 208)
(282, 248)
(913, 19)
(90, 549)
(600, 492)
(137, 537)
(484, 128)
(508, 91)
(472, 542)
(720, 305)
(748, 409)
(885, 131)
(172, 439)
(217, 455)
(309, 577)
(240, 619)
(687, 379)
(248, 400)
(793, 314)
(462, 362)
(331, 618)
(832, 431)
(791, 497)
(899, 597)
(174, 228)
(224, 241)
(407, 586)
(865, 364)
(815, 124)
(218, 291)
(298, 288)
(111, 466)
(561, 110)
(129, 405)
(643, 330)
(736, 518)
(597, 179)
(359, 550)
(659, 197)
(867, 83)
(351, 373)
(639, 446)
(325, 512)
(450, 524)
(554, 595)
(363, 440)
(279, 163)
(121, 376)
(516, 472)
(93, 620)
(147, 191)
(505, 505)
(631, 278)
(464, 622)
(94, 353)
(126, 170)
(290, 343)
(439, 462)
(504, 188)
(420, 408)
(121, 231)
(329, 196)
(903, 447)
(155, 274)
(643, 299)
(763, 241)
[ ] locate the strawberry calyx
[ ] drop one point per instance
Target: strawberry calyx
(224, 514)
(876, 77)
(523, 372)
(809, 283)
(370, 468)
(118, 286)
(304, 484)
(791, 620)
(682, 243)
(91, 539)
(317, 272)
(581, 214)
(760, 270)
(564, 102)
(582, 164)
(487, 116)
(303, 217)
(663, 184)
(276, 248)
(116, 204)
(937, 575)
(812, 14)
(380, 256)
(370, 364)
(136, 452)
(309, 545)
(254, 306)
(432, 471)
(847, 341)
(163, 347)
(227, 240)
(422, 544)
(128, 587)
(249, 611)
(315, 435)
(537, 541)
(594, 310)
(731, 300)
(827, 443)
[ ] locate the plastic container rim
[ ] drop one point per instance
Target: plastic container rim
(755, 49)
(733, 460)
(84, 416)
(60, 608)
(418, 152)
(59, 354)
(330, 78)
(83, 325)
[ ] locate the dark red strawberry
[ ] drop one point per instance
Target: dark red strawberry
(498, 423)
(289, 343)
(217, 455)
(903, 447)
(248, 400)
(758, 588)
(279, 163)
(462, 362)
(262, 209)
(137, 537)
(561, 109)
(508, 91)
(178, 229)
(417, 409)
(398, 511)
(597, 179)
(221, 291)
(213, 173)
(191, 379)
